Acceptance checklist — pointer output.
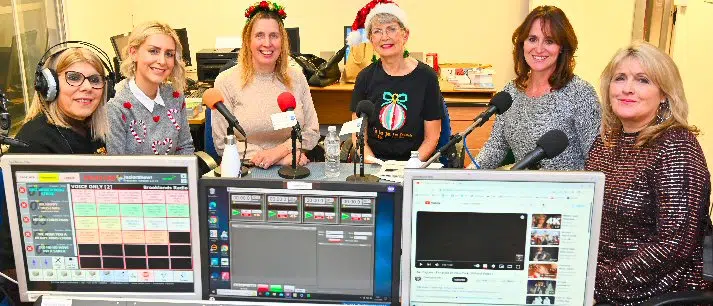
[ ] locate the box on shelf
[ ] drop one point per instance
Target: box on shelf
(468, 75)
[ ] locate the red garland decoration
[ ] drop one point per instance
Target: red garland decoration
(266, 6)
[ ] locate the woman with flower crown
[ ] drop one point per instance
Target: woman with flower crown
(405, 92)
(250, 90)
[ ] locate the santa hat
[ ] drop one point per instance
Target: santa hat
(365, 14)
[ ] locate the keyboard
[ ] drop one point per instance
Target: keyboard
(195, 96)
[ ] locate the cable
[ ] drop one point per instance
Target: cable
(472, 159)
(8, 278)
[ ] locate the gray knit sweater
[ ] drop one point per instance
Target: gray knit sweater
(133, 130)
(574, 109)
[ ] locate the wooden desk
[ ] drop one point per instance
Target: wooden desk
(332, 104)
(197, 119)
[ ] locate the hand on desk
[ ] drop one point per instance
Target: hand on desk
(277, 156)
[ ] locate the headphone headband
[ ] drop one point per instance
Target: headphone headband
(106, 61)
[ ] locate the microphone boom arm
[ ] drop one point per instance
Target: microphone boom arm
(479, 121)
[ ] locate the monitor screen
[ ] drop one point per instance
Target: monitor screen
(501, 238)
(316, 242)
(119, 42)
(81, 227)
(183, 38)
(293, 35)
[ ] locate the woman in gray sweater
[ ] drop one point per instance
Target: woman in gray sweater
(147, 116)
(546, 96)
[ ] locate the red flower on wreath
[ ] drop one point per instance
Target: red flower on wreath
(265, 6)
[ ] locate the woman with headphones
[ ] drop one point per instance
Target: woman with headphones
(148, 115)
(67, 114)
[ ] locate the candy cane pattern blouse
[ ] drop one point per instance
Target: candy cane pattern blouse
(136, 130)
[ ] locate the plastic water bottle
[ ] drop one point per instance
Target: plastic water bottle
(231, 164)
(331, 144)
(413, 162)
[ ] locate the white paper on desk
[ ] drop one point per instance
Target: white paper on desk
(53, 301)
(228, 42)
(283, 120)
(349, 127)
(393, 170)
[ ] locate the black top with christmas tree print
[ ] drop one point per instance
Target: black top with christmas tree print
(401, 105)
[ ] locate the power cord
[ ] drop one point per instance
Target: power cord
(472, 159)
(8, 278)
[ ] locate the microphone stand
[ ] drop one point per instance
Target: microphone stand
(294, 171)
(360, 146)
(479, 121)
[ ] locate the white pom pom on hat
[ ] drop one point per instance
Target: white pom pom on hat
(368, 12)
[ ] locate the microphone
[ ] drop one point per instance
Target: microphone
(214, 100)
(286, 102)
(6, 123)
(549, 145)
(499, 104)
(365, 109)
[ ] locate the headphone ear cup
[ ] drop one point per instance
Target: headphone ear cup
(47, 84)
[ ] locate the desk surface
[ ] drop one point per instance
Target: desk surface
(316, 172)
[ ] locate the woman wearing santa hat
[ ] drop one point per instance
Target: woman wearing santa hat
(405, 92)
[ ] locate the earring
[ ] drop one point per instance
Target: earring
(373, 58)
(406, 53)
(664, 112)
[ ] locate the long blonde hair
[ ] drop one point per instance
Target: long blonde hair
(246, 59)
(59, 62)
(138, 37)
(662, 71)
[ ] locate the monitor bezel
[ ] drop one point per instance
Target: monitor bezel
(283, 184)
(511, 176)
(78, 160)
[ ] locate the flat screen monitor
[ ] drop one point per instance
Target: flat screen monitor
(183, 39)
(309, 242)
(108, 226)
(119, 42)
(293, 35)
(500, 238)
(347, 30)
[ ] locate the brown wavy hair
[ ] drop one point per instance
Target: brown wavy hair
(246, 56)
(663, 73)
(555, 24)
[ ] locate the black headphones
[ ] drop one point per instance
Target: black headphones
(47, 81)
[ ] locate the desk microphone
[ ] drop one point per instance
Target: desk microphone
(499, 104)
(287, 102)
(365, 111)
(214, 100)
(549, 145)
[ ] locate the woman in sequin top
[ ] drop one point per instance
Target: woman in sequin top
(546, 95)
(657, 189)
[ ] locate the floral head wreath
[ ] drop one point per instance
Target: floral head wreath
(265, 6)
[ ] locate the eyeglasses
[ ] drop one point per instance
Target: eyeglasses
(390, 31)
(76, 79)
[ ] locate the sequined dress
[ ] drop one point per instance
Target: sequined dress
(654, 218)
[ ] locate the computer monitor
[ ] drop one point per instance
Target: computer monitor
(500, 237)
(293, 35)
(119, 42)
(312, 242)
(183, 39)
(108, 226)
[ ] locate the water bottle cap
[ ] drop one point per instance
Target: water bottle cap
(332, 128)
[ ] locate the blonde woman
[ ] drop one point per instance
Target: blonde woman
(71, 118)
(657, 189)
(147, 115)
(251, 88)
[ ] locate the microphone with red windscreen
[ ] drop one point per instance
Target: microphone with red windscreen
(286, 101)
(214, 100)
